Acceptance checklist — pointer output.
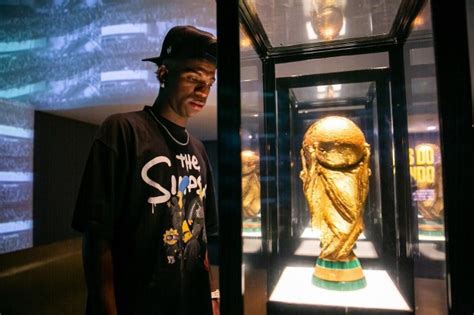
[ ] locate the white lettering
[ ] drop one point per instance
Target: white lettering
(166, 194)
(188, 161)
(192, 183)
(196, 163)
(181, 158)
(188, 182)
(173, 185)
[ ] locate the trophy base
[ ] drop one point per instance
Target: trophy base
(251, 225)
(431, 228)
(339, 275)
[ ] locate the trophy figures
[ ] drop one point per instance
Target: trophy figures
(335, 176)
(250, 191)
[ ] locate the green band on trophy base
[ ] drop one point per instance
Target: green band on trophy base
(351, 264)
(251, 225)
(431, 233)
(339, 275)
(245, 229)
(431, 228)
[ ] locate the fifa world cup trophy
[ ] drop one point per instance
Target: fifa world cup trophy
(250, 191)
(250, 184)
(335, 175)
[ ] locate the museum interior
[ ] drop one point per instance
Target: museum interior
(338, 132)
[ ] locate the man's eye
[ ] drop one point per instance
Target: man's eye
(193, 79)
(198, 81)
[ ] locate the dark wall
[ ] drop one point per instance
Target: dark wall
(61, 147)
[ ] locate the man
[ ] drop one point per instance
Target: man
(146, 203)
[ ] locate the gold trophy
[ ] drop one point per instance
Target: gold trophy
(250, 191)
(335, 176)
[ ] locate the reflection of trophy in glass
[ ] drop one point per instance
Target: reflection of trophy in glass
(335, 176)
(327, 18)
(429, 189)
(250, 190)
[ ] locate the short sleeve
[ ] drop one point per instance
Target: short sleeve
(103, 184)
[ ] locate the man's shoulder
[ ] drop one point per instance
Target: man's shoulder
(199, 147)
(123, 121)
(121, 126)
(196, 142)
(124, 117)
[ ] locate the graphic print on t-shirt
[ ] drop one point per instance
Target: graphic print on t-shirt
(184, 206)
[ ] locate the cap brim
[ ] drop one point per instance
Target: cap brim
(210, 57)
(156, 60)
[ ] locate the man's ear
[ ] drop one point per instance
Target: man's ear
(162, 73)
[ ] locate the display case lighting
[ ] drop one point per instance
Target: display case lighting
(295, 287)
(310, 31)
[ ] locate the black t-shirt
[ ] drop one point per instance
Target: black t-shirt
(149, 190)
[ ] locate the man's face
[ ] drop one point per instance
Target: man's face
(188, 85)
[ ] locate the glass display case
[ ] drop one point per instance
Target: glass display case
(424, 159)
(362, 97)
(341, 196)
(251, 131)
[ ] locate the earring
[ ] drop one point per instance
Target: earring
(162, 85)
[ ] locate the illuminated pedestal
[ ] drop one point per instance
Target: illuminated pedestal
(339, 275)
(295, 288)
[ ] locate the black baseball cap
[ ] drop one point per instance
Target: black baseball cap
(187, 42)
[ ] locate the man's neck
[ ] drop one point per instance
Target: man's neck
(162, 108)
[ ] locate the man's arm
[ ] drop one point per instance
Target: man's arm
(215, 295)
(99, 270)
(211, 229)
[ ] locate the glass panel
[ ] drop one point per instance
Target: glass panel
(425, 169)
(321, 95)
(333, 64)
(251, 139)
(252, 128)
(289, 23)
